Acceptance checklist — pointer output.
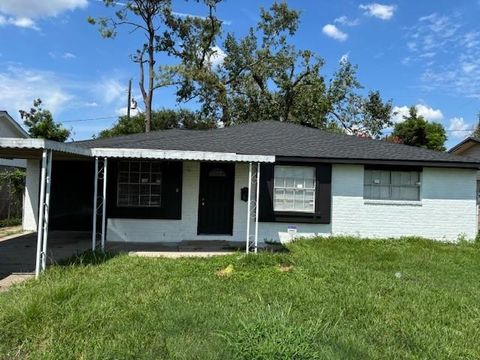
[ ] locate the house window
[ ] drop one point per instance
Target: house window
(294, 188)
(139, 184)
(391, 184)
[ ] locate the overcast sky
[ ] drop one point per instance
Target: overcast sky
(423, 53)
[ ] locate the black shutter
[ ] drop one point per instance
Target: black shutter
(171, 201)
(265, 211)
(323, 193)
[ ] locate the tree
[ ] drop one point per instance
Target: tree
(417, 131)
(263, 76)
(161, 120)
(154, 18)
(41, 125)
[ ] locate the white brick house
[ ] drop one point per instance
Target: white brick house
(176, 185)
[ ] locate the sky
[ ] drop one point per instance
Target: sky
(421, 53)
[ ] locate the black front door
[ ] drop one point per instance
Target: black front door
(215, 205)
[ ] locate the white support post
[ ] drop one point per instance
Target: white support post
(46, 214)
(95, 192)
(257, 206)
(40, 215)
(104, 202)
(247, 245)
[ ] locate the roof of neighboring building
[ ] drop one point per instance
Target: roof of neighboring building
(464, 145)
(285, 140)
(18, 130)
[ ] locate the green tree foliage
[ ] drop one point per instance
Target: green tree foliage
(12, 186)
(417, 131)
(41, 125)
(151, 18)
(161, 120)
(263, 76)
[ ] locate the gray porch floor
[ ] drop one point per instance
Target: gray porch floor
(17, 254)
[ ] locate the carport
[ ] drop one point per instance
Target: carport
(40, 155)
(81, 163)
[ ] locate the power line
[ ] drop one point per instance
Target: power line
(91, 119)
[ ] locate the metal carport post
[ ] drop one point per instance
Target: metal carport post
(99, 202)
(252, 207)
(43, 212)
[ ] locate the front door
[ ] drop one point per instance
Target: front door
(215, 206)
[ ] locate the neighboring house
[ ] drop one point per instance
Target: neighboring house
(469, 147)
(9, 128)
(174, 185)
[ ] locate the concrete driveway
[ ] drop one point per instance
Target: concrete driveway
(17, 254)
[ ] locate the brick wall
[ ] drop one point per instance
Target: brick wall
(447, 211)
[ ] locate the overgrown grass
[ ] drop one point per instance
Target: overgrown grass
(336, 298)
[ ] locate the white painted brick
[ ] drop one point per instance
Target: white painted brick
(31, 195)
(446, 212)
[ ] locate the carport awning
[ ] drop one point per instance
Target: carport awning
(15, 148)
(32, 148)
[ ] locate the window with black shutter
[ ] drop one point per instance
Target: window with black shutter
(295, 192)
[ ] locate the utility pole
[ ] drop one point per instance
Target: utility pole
(129, 98)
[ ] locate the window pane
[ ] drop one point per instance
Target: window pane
(367, 177)
(138, 185)
(134, 178)
(156, 190)
(156, 178)
(391, 185)
(290, 192)
(134, 166)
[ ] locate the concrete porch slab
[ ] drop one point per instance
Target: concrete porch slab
(180, 254)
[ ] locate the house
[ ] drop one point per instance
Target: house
(174, 185)
(9, 128)
(469, 147)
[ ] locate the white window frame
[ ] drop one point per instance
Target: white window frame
(140, 183)
(391, 186)
(295, 189)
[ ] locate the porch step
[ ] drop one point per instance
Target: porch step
(205, 245)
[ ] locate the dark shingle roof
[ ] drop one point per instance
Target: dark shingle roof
(282, 140)
(470, 139)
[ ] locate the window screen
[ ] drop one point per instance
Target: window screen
(294, 188)
(391, 185)
(139, 184)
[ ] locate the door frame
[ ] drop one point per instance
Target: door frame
(204, 168)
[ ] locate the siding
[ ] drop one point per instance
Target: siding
(31, 196)
(447, 211)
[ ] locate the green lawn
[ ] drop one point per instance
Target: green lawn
(335, 298)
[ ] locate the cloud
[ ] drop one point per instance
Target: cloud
(69, 55)
(427, 112)
(23, 13)
(459, 128)
(66, 56)
(39, 9)
(345, 21)
(447, 51)
(21, 22)
(19, 86)
(122, 111)
(344, 57)
(384, 12)
(110, 90)
(91, 104)
(335, 33)
(217, 56)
